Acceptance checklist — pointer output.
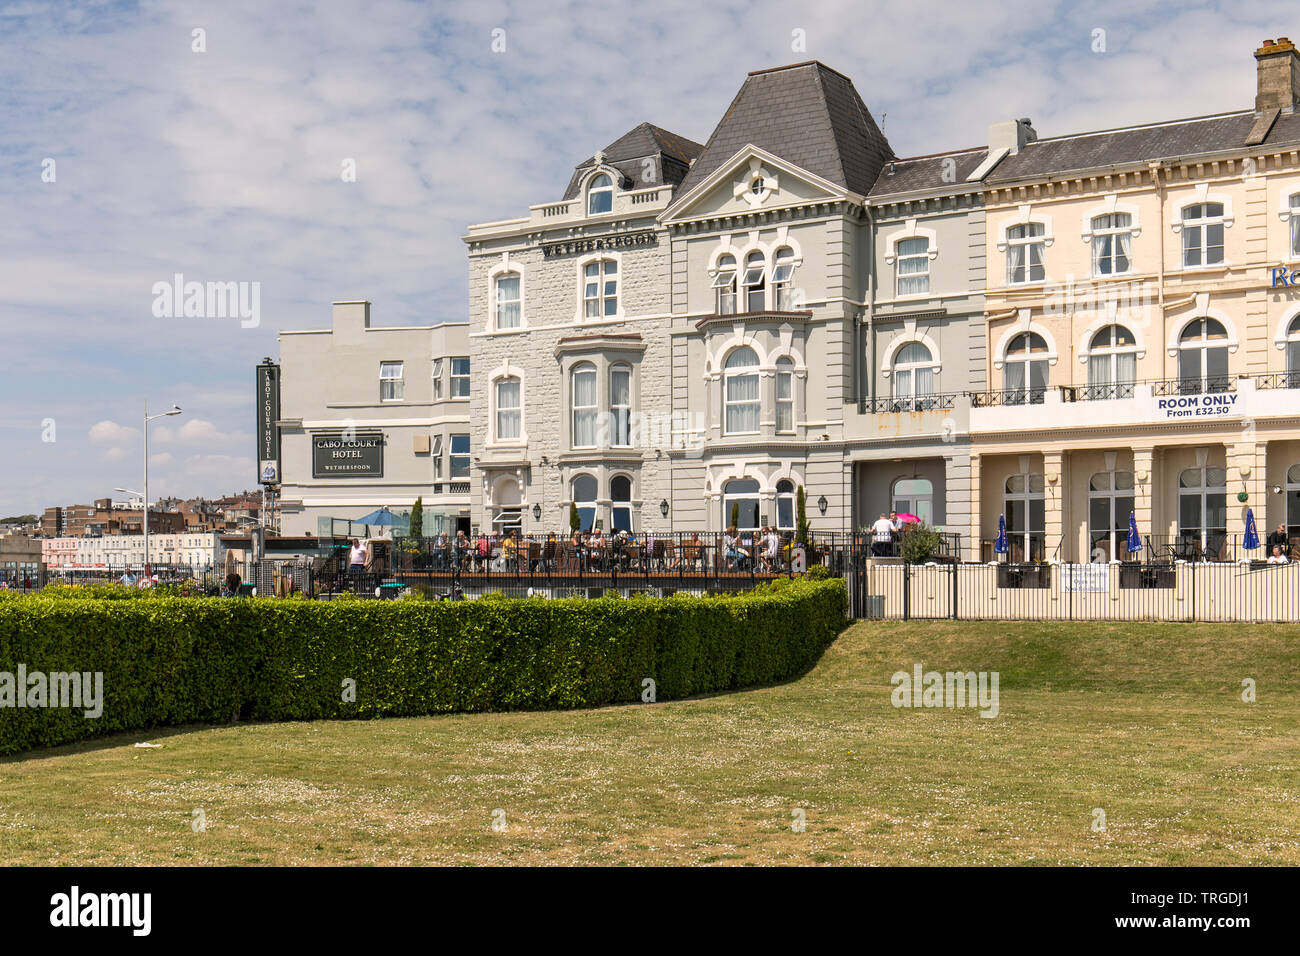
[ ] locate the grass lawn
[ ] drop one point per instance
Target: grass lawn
(1144, 721)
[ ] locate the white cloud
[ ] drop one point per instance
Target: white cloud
(106, 432)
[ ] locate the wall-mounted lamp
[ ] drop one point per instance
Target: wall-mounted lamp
(663, 507)
(537, 512)
(1245, 471)
(822, 504)
(1141, 476)
(1052, 477)
(1277, 489)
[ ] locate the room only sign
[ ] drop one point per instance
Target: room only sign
(1201, 406)
(268, 431)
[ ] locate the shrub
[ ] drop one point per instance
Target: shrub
(919, 543)
(168, 660)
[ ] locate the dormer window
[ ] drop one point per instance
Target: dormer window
(756, 187)
(600, 195)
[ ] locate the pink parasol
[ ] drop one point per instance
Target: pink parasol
(908, 518)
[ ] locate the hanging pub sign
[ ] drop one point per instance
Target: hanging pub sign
(336, 455)
(268, 431)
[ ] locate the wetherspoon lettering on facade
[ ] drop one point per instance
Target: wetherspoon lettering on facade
(359, 457)
(575, 246)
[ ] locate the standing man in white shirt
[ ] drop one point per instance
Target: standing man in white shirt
(882, 536)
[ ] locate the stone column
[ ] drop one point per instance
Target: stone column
(974, 529)
(1054, 506)
(1144, 478)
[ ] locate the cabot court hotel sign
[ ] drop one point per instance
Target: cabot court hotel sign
(268, 431)
(572, 247)
(342, 455)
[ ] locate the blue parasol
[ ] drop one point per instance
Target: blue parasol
(381, 517)
(1000, 545)
(1134, 539)
(1251, 541)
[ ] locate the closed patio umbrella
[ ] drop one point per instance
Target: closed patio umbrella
(1134, 539)
(1000, 544)
(1251, 541)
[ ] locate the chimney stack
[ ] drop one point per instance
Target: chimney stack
(1279, 76)
(1011, 135)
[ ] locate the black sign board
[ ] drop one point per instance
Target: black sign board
(339, 455)
(268, 432)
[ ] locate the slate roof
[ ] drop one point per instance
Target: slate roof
(807, 114)
(922, 173)
(1060, 155)
(626, 154)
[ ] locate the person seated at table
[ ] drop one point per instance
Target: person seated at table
(508, 550)
(1278, 539)
(482, 552)
(730, 547)
(1278, 556)
(461, 550)
(440, 552)
(771, 547)
(578, 545)
(596, 548)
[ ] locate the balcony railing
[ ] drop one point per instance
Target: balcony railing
(1010, 396)
(1193, 386)
(1278, 380)
(911, 403)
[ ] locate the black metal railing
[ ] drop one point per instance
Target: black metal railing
(1212, 384)
(1278, 380)
(912, 403)
(1009, 396)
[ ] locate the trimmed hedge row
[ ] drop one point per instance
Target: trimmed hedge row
(169, 661)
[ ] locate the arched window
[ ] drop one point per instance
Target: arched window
(785, 505)
(914, 496)
(508, 302)
(1025, 245)
(1203, 357)
(1024, 506)
(600, 288)
(783, 279)
(620, 405)
(620, 493)
(1293, 351)
(1293, 501)
(725, 285)
(509, 411)
(755, 282)
(600, 195)
(584, 498)
(913, 376)
(1112, 237)
(585, 406)
(784, 394)
(741, 392)
(1024, 373)
(1293, 204)
(1110, 502)
(912, 266)
(1203, 234)
(741, 496)
(1202, 511)
(1112, 363)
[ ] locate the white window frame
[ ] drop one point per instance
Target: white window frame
(438, 366)
(602, 280)
(592, 410)
(499, 304)
(900, 371)
(394, 385)
(1118, 389)
(457, 378)
(741, 371)
(620, 416)
(1096, 234)
(783, 265)
(453, 455)
(725, 286)
(1203, 223)
(593, 190)
(754, 280)
(1116, 535)
(498, 410)
(1027, 497)
(784, 404)
(1025, 243)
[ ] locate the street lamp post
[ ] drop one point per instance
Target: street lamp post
(175, 410)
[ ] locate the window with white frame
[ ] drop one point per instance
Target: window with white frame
(755, 283)
(1025, 245)
(600, 288)
(600, 195)
(913, 496)
(1024, 373)
(784, 394)
(391, 386)
(1293, 353)
(437, 378)
(913, 375)
(1025, 509)
(1293, 203)
(724, 284)
(1112, 362)
(507, 300)
(783, 279)
(741, 395)
(585, 406)
(459, 456)
(620, 496)
(1110, 502)
(912, 266)
(1203, 357)
(1203, 509)
(620, 405)
(460, 377)
(740, 500)
(1202, 227)
(509, 412)
(435, 454)
(584, 488)
(785, 505)
(1112, 243)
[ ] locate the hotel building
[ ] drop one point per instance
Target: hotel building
(1058, 331)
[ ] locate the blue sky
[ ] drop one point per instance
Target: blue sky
(224, 165)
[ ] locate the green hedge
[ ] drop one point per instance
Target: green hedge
(172, 660)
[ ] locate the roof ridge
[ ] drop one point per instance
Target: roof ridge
(947, 152)
(1139, 126)
(796, 66)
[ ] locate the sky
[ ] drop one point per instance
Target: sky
(141, 140)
